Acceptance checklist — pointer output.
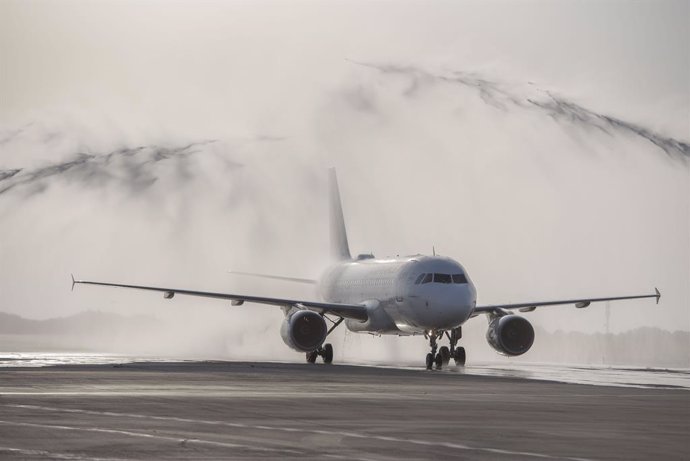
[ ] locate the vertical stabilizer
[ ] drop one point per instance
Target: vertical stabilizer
(339, 247)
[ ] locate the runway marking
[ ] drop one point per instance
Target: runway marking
(349, 457)
(452, 445)
(54, 455)
(312, 395)
(180, 440)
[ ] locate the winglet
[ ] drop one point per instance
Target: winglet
(658, 294)
(73, 281)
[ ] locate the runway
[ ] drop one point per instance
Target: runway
(233, 410)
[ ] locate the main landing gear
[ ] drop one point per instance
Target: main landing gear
(325, 351)
(442, 358)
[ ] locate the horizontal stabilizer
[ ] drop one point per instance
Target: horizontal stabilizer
(276, 277)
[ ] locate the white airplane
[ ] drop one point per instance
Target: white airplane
(412, 295)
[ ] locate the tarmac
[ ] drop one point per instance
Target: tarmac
(257, 411)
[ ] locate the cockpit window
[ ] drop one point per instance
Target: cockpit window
(442, 278)
(459, 278)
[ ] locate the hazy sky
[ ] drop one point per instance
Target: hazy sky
(543, 144)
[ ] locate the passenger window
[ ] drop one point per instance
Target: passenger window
(427, 278)
(442, 278)
(459, 278)
(419, 279)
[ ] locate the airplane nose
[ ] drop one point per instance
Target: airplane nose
(454, 305)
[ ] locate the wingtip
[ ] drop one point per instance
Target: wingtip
(658, 294)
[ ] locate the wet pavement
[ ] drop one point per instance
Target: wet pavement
(234, 410)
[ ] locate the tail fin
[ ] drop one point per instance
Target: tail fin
(339, 247)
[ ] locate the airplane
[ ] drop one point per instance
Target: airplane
(412, 295)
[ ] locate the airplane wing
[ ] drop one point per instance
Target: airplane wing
(349, 311)
(579, 303)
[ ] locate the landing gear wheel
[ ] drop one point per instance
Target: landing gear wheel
(439, 361)
(444, 352)
(460, 356)
(311, 356)
(327, 353)
(431, 357)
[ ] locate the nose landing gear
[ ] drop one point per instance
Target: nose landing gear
(444, 355)
(458, 353)
(431, 356)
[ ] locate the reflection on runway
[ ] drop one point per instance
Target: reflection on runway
(47, 359)
(585, 374)
(577, 374)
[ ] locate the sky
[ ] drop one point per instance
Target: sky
(545, 145)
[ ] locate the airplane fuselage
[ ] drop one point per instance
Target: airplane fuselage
(403, 295)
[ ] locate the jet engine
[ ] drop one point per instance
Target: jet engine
(510, 335)
(303, 330)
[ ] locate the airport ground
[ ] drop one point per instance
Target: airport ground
(232, 410)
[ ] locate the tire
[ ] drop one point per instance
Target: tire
(444, 352)
(439, 361)
(327, 353)
(429, 361)
(311, 356)
(460, 356)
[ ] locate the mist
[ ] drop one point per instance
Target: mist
(545, 147)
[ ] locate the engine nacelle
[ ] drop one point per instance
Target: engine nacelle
(304, 331)
(510, 335)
